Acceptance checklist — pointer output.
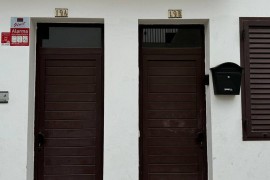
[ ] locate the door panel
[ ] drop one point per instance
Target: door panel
(172, 113)
(69, 114)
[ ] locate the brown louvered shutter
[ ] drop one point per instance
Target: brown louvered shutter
(255, 58)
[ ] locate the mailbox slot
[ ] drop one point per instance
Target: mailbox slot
(227, 79)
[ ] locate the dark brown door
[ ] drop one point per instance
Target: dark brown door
(172, 103)
(69, 103)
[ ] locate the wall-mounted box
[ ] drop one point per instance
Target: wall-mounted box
(227, 78)
(4, 96)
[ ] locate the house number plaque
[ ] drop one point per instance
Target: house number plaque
(175, 13)
(61, 12)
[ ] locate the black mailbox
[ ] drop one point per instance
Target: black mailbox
(227, 78)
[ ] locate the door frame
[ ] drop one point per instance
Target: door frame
(204, 118)
(37, 97)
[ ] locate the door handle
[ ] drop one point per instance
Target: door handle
(40, 140)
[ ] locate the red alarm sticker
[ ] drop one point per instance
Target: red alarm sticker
(5, 38)
(19, 36)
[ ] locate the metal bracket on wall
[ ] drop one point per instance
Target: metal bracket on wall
(4, 96)
(206, 79)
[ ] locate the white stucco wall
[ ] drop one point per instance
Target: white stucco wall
(229, 157)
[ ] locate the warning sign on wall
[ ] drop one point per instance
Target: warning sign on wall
(5, 38)
(19, 36)
(19, 31)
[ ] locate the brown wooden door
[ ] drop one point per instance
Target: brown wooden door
(172, 112)
(69, 114)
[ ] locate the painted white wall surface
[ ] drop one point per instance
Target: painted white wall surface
(229, 157)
